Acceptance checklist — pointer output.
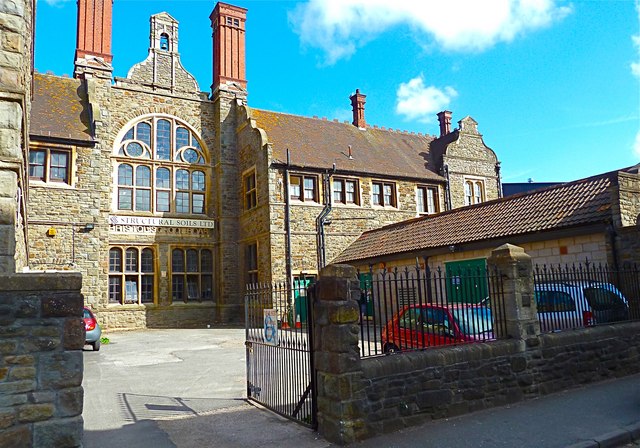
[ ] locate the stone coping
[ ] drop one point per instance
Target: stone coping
(45, 281)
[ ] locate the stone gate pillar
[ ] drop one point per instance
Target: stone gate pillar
(519, 311)
(340, 391)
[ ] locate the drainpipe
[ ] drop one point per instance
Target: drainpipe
(611, 232)
(447, 190)
(287, 220)
(499, 179)
(322, 219)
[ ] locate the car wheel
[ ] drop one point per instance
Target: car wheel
(390, 348)
(96, 345)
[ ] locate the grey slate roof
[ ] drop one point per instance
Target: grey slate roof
(60, 109)
(318, 143)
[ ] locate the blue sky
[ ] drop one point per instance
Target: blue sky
(554, 85)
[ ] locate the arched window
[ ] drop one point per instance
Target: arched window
(161, 168)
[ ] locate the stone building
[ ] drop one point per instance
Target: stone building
(170, 200)
(16, 68)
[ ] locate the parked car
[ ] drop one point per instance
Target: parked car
(427, 325)
(576, 304)
(92, 329)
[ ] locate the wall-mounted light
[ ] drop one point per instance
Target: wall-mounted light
(51, 232)
(89, 227)
(452, 248)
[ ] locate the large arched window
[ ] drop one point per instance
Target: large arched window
(160, 168)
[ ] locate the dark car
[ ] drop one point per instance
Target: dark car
(92, 329)
(427, 325)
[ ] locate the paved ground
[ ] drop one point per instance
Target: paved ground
(177, 388)
(186, 388)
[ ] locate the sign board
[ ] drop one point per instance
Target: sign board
(117, 220)
(271, 326)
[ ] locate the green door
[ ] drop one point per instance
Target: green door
(366, 295)
(300, 285)
(467, 280)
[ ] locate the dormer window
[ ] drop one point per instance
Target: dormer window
(164, 42)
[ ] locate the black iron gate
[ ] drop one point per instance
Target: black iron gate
(279, 342)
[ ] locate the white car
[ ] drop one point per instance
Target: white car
(576, 304)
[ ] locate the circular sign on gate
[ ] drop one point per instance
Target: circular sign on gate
(271, 327)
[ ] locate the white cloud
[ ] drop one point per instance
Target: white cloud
(416, 101)
(56, 2)
(339, 27)
(636, 146)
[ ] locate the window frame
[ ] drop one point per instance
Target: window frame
(426, 189)
(251, 263)
(132, 271)
(343, 182)
(302, 193)
(382, 201)
(205, 289)
(250, 189)
(47, 165)
(159, 142)
(471, 188)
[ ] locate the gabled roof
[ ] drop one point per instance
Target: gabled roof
(583, 202)
(319, 143)
(60, 109)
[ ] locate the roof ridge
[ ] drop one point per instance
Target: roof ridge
(347, 122)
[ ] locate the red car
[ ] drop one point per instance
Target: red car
(93, 332)
(428, 325)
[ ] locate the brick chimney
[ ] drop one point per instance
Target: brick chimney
(228, 24)
(357, 103)
(93, 41)
(444, 118)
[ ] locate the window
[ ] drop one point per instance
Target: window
(50, 165)
(384, 194)
(131, 275)
(191, 274)
(156, 169)
(303, 188)
(250, 193)
(427, 201)
(473, 192)
(346, 191)
(251, 263)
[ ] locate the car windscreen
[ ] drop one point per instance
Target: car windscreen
(87, 314)
(473, 320)
(602, 299)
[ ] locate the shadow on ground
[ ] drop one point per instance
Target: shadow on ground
(172, 422)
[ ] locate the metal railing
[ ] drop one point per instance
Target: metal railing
(279, 342)
(414, 308)
(585, 294)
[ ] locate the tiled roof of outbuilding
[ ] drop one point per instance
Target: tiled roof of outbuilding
(582, 202)
(59, 109)
(319, 143)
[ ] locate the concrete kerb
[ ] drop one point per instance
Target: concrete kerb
(612, 439)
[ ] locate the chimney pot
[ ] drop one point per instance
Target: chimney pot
(444, 118)
(357, 104)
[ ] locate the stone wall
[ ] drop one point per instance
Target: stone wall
(628, 245)
(16, 42)
(360, 398)
(629, 199)
(41, 340)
